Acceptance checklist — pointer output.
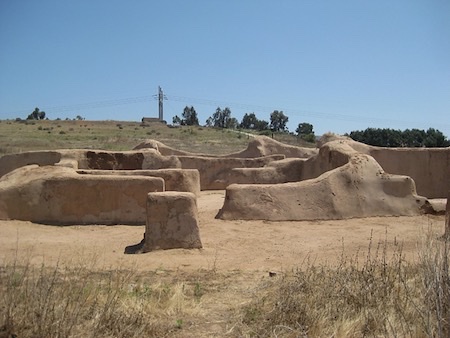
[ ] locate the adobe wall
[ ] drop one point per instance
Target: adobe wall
(214, 172)
(172, 222)
(258, 146)
(264, 146)
(185, 180)
(282, 171)
(330, 156)
(360, 188)
(129, 160)
(90, 159)
(13, 161)
(428, 167)
(447, 217)
(57, 195)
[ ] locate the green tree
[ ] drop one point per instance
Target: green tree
(221, 118)
(189, 116)
(209, 122)
(435, 138)
(232, 123)
(176, 120)
(278, 121)
(396, 138)
(250, 121)
(36, 115)
(262, 125)
(305, 132)
(415, 137)
(304, 129)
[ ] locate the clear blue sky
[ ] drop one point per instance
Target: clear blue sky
(340, 65)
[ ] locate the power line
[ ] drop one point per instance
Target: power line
(217, 103)
(95, 104)
(290, 111)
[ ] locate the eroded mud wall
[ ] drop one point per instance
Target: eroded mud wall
(57, 195)
(214, 172)
(13, 161)
(428, 167)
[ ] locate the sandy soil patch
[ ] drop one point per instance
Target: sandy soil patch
(227, 245)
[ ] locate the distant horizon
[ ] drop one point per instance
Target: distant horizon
(340, 66)
(199, 125)
(93, 105)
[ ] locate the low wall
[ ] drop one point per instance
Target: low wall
(258, 146)
(330, 156)
(129, 160)
(11, 162)
(90, 159)
(359, 188)
(56, 195)
(283, 171)
(214, 172)
(184, 180)
(172, 221)
(428, 167)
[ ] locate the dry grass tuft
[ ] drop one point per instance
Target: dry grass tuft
(370, 294)
(79, 302)
(382, 296)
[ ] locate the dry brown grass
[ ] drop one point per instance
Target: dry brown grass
(369, 294)
(379, 296)
(82, 301)
(18, 136)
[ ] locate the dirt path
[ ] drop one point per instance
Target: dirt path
(228, 245)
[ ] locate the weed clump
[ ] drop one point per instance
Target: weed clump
(382, 296)
(79, 302)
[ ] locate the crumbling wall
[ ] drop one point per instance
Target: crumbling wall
(129, 160)
(344, 184)
(447, 217)
(258, 146)
(282, 171)
(58, 195)
(90, 159)
(13, 161)
(214, 172)
(186, 180)
(329, 157)
(428, 167)
(172, 221)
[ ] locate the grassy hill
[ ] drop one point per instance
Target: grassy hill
(25, 135)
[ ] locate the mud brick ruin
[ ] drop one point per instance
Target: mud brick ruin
(267, 181)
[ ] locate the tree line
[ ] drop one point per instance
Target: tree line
(385, 137)
(382, 137)
(396, 138)
(222, 119)
(38, 114)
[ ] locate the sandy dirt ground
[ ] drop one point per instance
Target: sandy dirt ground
(227, 245)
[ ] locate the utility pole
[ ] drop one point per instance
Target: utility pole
(161, 98)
